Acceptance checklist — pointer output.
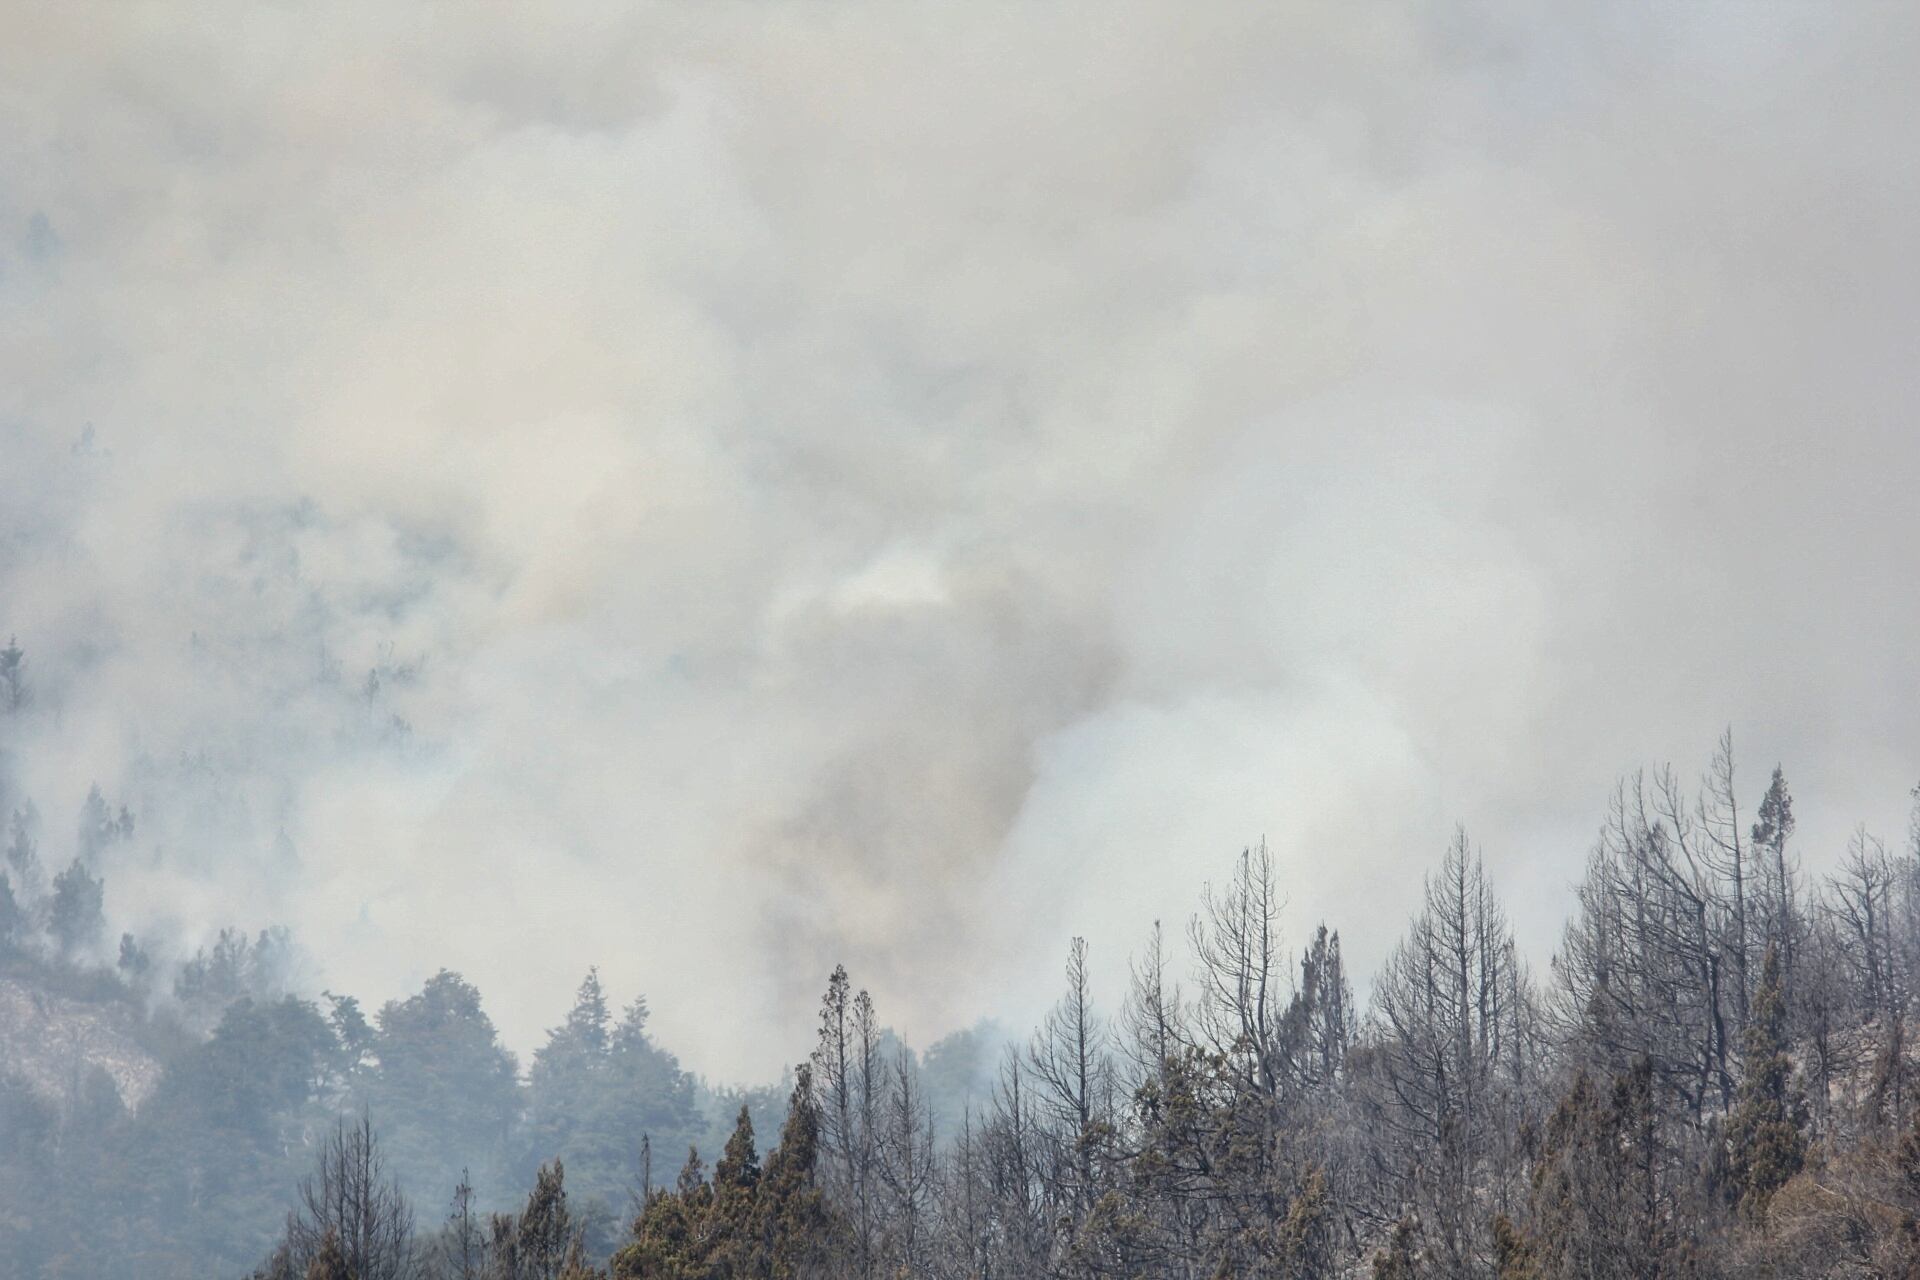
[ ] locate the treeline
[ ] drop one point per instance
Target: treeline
(195, 1179)
(1710, 1079)
(160, 1101)
(53, 898)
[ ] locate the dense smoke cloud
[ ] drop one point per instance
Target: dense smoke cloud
(716, 489)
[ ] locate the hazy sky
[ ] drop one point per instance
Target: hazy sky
(906, 482)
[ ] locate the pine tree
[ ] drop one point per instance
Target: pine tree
(14, 692)
(97, 827)
(545, 1230)
(647, 1091)
(23, 860)
(76, 915)
(443, 1079)
(672, 1237)
(588, 1021)
(1780, 877)
(13, 920)
(771, 1222)
(737, 1249)
(597, 1089)
(1595, 1207)
(795, 1218)
(134, 960)
(1766, 1139)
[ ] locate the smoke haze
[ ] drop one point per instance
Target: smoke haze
(885, 482)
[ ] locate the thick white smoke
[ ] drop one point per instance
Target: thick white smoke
(716, 489)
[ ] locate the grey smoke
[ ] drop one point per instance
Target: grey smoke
(906, 482)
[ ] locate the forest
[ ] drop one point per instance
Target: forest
(1709, 1077)
(912, 640)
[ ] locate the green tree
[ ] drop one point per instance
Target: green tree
(796, 1221)
(1596, 1209)
(99, 826)
(768, 1222)
(13, 918)
(14, 691)
(545, 1233)
(1779, 879)
(77, 914)
(598, 1092)
(671, 1235)
(1766, 1134)
(134, 962)
(444, 1090)
(733, 1220)
(215, 1150)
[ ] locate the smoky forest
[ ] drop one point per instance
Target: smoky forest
(959, 640)
(1710, 1076)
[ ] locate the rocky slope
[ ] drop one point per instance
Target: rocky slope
(53, 1042)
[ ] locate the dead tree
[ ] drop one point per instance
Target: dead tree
(350, 1196)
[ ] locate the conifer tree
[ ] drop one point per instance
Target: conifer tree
(13, 919)
(733, 1226)
(598, 1089)
(1766, 1139)
(443, 1081)
(14, 692)
(768, 1222)
(76, 914)
(851, 1078)
(1596, 1209)
(545, 1231)
(23, 859)
(134, 960)
(588, 1020)
(1780, 878)
(795, 1218)
(462, 1247)
(97, 828)
(672, 1236)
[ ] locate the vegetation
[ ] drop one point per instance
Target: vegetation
(1710, 1078)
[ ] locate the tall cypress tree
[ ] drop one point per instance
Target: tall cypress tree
(796, 1222)
(1766, 1136)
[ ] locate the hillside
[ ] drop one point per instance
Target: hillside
(52, 1042)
